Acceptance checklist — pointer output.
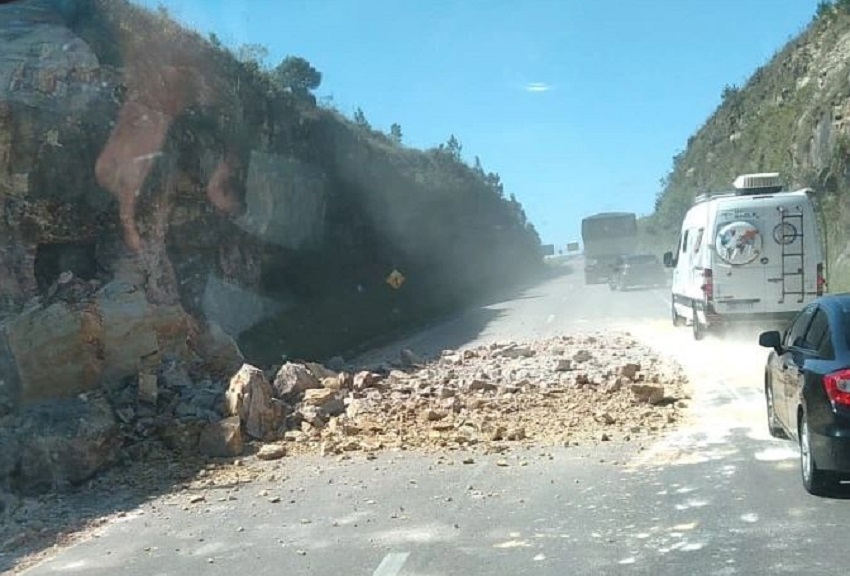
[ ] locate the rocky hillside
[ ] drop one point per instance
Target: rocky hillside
(162, 200)
(791, 116)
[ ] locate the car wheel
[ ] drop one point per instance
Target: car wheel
(773, 425)
(815, 480)
(677, 320)
(699, 329)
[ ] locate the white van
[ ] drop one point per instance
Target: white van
(753, 254)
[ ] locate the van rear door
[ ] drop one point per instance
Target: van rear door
(767, 249)
(742, 254)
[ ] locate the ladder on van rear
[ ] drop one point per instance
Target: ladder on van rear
(793, 254)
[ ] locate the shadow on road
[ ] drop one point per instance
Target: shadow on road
(31, 526)
(452, 331)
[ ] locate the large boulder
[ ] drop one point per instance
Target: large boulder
(66, 348)
(57, 444)
(249, 397)
(293, 380)
(54, 352)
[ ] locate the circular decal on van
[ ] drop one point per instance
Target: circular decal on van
(738, 243)
(784, 233)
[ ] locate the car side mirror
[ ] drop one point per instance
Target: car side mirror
(668, 260)
(771, 339)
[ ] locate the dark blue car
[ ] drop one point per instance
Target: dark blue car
(807, 389)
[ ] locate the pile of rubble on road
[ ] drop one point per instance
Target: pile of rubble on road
(558, 391)
(564, 390)
(570, 389)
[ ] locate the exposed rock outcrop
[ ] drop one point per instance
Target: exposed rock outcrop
(155, 193)
(162, 204)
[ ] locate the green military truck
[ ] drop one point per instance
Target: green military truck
(606, 236)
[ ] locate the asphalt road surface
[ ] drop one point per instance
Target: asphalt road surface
(715, 497)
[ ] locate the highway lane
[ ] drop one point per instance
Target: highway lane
(717, 496)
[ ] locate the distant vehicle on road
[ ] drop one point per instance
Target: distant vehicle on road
(605, 237)
(807, 389)
(637, 271)
(752, 254)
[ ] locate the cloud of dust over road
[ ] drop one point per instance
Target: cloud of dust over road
(733, 355)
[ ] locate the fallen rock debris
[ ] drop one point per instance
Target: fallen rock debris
(563, 390)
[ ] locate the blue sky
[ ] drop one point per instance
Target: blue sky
(579, 105)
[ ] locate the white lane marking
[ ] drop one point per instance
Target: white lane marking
(513, 544)
(550, 319)
(391, 564)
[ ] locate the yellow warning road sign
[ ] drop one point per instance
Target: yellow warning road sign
(396, 279)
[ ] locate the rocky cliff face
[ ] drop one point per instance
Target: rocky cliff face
(791, 116)
(161, 201)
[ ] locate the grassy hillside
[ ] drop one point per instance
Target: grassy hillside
(792, 116)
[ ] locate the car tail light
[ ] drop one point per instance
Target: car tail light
(821, 281)
(837, 386)
(708, 284)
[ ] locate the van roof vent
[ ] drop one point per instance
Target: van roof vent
(763, 183)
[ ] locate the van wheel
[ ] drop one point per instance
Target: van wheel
(677, 320)
(699, 329)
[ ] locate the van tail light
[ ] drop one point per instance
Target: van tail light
(821, 281)
(837, 386)
(708, 284)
